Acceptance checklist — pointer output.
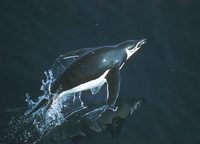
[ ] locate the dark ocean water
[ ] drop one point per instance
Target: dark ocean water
(166, 71)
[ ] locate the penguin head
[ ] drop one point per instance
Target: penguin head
(131, 46)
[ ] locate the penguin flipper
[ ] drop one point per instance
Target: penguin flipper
(64, 61)
(113, 85)
(75, 53)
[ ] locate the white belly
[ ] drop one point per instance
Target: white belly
(98, 82)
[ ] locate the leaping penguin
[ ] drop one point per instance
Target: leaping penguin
(93, 67)
(90, 68)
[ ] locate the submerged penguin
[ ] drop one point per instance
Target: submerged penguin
(108, 125)
(111, 121)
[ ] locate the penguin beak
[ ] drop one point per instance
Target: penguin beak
(135, 46)
(141, 42)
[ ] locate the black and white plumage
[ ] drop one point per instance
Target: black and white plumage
(93, 67)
